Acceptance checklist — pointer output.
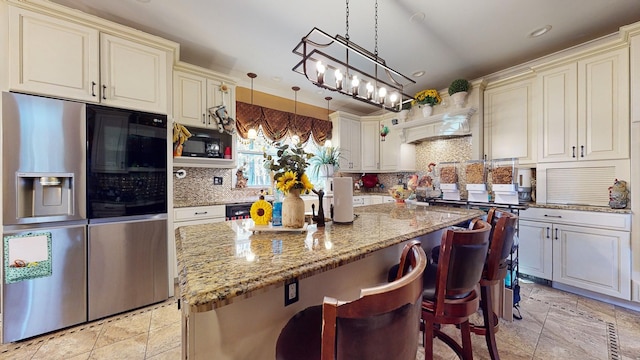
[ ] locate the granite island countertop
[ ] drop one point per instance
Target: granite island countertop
(222, 261)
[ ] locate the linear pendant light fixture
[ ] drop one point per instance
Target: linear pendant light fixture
(338, 64)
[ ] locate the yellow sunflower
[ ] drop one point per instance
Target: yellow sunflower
(306, 183)
(288, 180)
(261, 212)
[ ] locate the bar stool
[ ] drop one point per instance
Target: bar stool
(495, 269)
(449, 295)
(382, 324)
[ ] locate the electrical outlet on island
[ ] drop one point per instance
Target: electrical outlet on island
(291, 291)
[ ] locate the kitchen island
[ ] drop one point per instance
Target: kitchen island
(232, 279)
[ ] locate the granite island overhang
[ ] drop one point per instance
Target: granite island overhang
(232, 280)
(223, 261)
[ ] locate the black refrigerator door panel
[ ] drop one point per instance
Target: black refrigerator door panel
(36, 306)
(127, 266)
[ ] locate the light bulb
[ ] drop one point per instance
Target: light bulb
(338, 75)
(320, 71)
(327, 143)
(382, 93)
(354, 85)
(252, 134)
(369, 90)
(393, 98)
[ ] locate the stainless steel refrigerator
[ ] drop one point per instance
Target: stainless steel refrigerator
(84, 213)
(43, 182)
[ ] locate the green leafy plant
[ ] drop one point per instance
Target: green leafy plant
(289, 166)
(458, 85)
(326, 155)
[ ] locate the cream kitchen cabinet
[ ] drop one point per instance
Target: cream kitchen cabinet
(584, 108)
(509, 119)
(586, 250)
(370, 145)
(346, 135)
(388, 155)
(197, 90)
(68, 59)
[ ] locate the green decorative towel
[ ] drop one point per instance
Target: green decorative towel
(27, 256)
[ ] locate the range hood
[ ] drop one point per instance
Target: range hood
(454, 123)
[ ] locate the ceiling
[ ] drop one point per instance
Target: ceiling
(445, 39)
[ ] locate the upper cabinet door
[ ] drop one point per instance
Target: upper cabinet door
(585, 109)
(558, 113)
(53, 57)
(603, 106)
(370, 145)
(189, 99)
(509, 120)
(133, 75)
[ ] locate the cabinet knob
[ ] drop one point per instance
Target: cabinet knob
(548, 232)
(93, 88)
(203, 120)
(104, 92)
(581, 150)
(573, 151)
(200, 213)
(556, 238)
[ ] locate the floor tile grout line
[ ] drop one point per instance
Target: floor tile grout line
(541, 329)
(613, 347)
(77, 328)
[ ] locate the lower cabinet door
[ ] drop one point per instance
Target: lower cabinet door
(535, 255)
(593, 259)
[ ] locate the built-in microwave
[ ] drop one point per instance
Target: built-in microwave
(202, 144)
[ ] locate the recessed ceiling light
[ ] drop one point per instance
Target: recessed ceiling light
(418, 73)
(540, 31)
(417, 17)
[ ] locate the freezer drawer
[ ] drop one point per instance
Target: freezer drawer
(127, 266)
(36, 306)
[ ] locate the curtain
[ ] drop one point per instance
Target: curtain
(277, 124)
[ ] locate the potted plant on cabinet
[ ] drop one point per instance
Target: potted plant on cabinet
(325, 161)
(458, 91)
(426, 99)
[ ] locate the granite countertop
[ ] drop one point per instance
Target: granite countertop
(604, 209)
(222, 261)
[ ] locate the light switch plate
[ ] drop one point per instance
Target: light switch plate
(217, 180)
(291, 291)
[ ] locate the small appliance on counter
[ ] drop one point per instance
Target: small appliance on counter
(524, 184)
(342, 200)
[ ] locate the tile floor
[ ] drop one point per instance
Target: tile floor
(555, 325)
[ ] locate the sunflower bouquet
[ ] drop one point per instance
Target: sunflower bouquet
(428, 97)
(288, 166)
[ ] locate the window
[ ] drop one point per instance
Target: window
(251, 159)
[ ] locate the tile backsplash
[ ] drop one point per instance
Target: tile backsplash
(197, 187)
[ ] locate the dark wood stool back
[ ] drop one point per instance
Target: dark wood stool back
(382, 324)
(449, 295)
(503, 229)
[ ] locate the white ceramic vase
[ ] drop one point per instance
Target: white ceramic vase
(459, 98)
(427, 110)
